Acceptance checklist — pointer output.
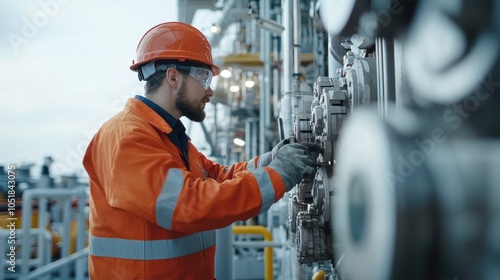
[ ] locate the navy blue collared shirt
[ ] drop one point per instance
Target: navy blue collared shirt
(179, 136)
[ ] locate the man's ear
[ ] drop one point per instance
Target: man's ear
(172, 77)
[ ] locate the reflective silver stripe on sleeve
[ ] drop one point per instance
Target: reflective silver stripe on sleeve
(251, 164)
(151, 249)
(266, 188)
(263, 160)
(167, 199)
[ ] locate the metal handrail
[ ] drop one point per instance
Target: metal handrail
(44, 249)
(60, 263)
(43, 194)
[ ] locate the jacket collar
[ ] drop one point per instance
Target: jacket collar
(144, 111)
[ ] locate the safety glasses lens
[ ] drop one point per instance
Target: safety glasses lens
(203, 75)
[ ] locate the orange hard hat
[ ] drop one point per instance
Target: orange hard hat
(174, 41)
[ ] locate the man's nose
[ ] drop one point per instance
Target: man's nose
(209, 92)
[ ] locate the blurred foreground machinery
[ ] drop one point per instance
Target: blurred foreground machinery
(402, 96)
(407, 181)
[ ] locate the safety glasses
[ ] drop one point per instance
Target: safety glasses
(202, 75)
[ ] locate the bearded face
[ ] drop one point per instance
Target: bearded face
(193, 109)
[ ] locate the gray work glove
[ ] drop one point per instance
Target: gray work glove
(279, 146)
(314, 149)
(265, 159)
(292, 162)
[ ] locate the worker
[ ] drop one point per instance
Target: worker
(155, 200)
(47, 162)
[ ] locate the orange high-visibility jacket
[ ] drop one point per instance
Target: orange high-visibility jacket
(150, 216)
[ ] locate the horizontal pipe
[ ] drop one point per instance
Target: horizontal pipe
(257, 244)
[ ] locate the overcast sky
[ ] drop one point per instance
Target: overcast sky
(64, 68)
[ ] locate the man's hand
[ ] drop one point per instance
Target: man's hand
(292, 162)
(279, 146)
(314, 149)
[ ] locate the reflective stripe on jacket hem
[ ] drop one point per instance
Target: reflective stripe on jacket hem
(151, 249)
(266, 188)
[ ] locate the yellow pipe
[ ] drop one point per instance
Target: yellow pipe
(319, 275)
(268, 251)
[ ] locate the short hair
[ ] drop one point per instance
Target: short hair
(154, 82)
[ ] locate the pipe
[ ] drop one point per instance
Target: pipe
(215, 148)
(286, 42)
(257, 244)
(268, 251)
(296, 44)
(385, 73)
(224, 254)
(265, 93)
(276, 86)
(285, 114)
(333, 64)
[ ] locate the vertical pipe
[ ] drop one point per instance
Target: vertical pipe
(229, 129)
(265, 92)
(224, 254)
(389, 74)
(295, 87)
(379, 47)
(286, 104)
(80, 237)
(223, 237)
(66, 238)
(296, 41)
(264, 121)
(182, 10)
(401, 90)
(276, 87)
(254, 137)
(43, 221)
(27, 210)
(251, 137)
(318, 46)
(250, 31)
(333, 64)
(215, 148)
(385, 73)
(287, 45)
(248, 139)
(276, 91)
